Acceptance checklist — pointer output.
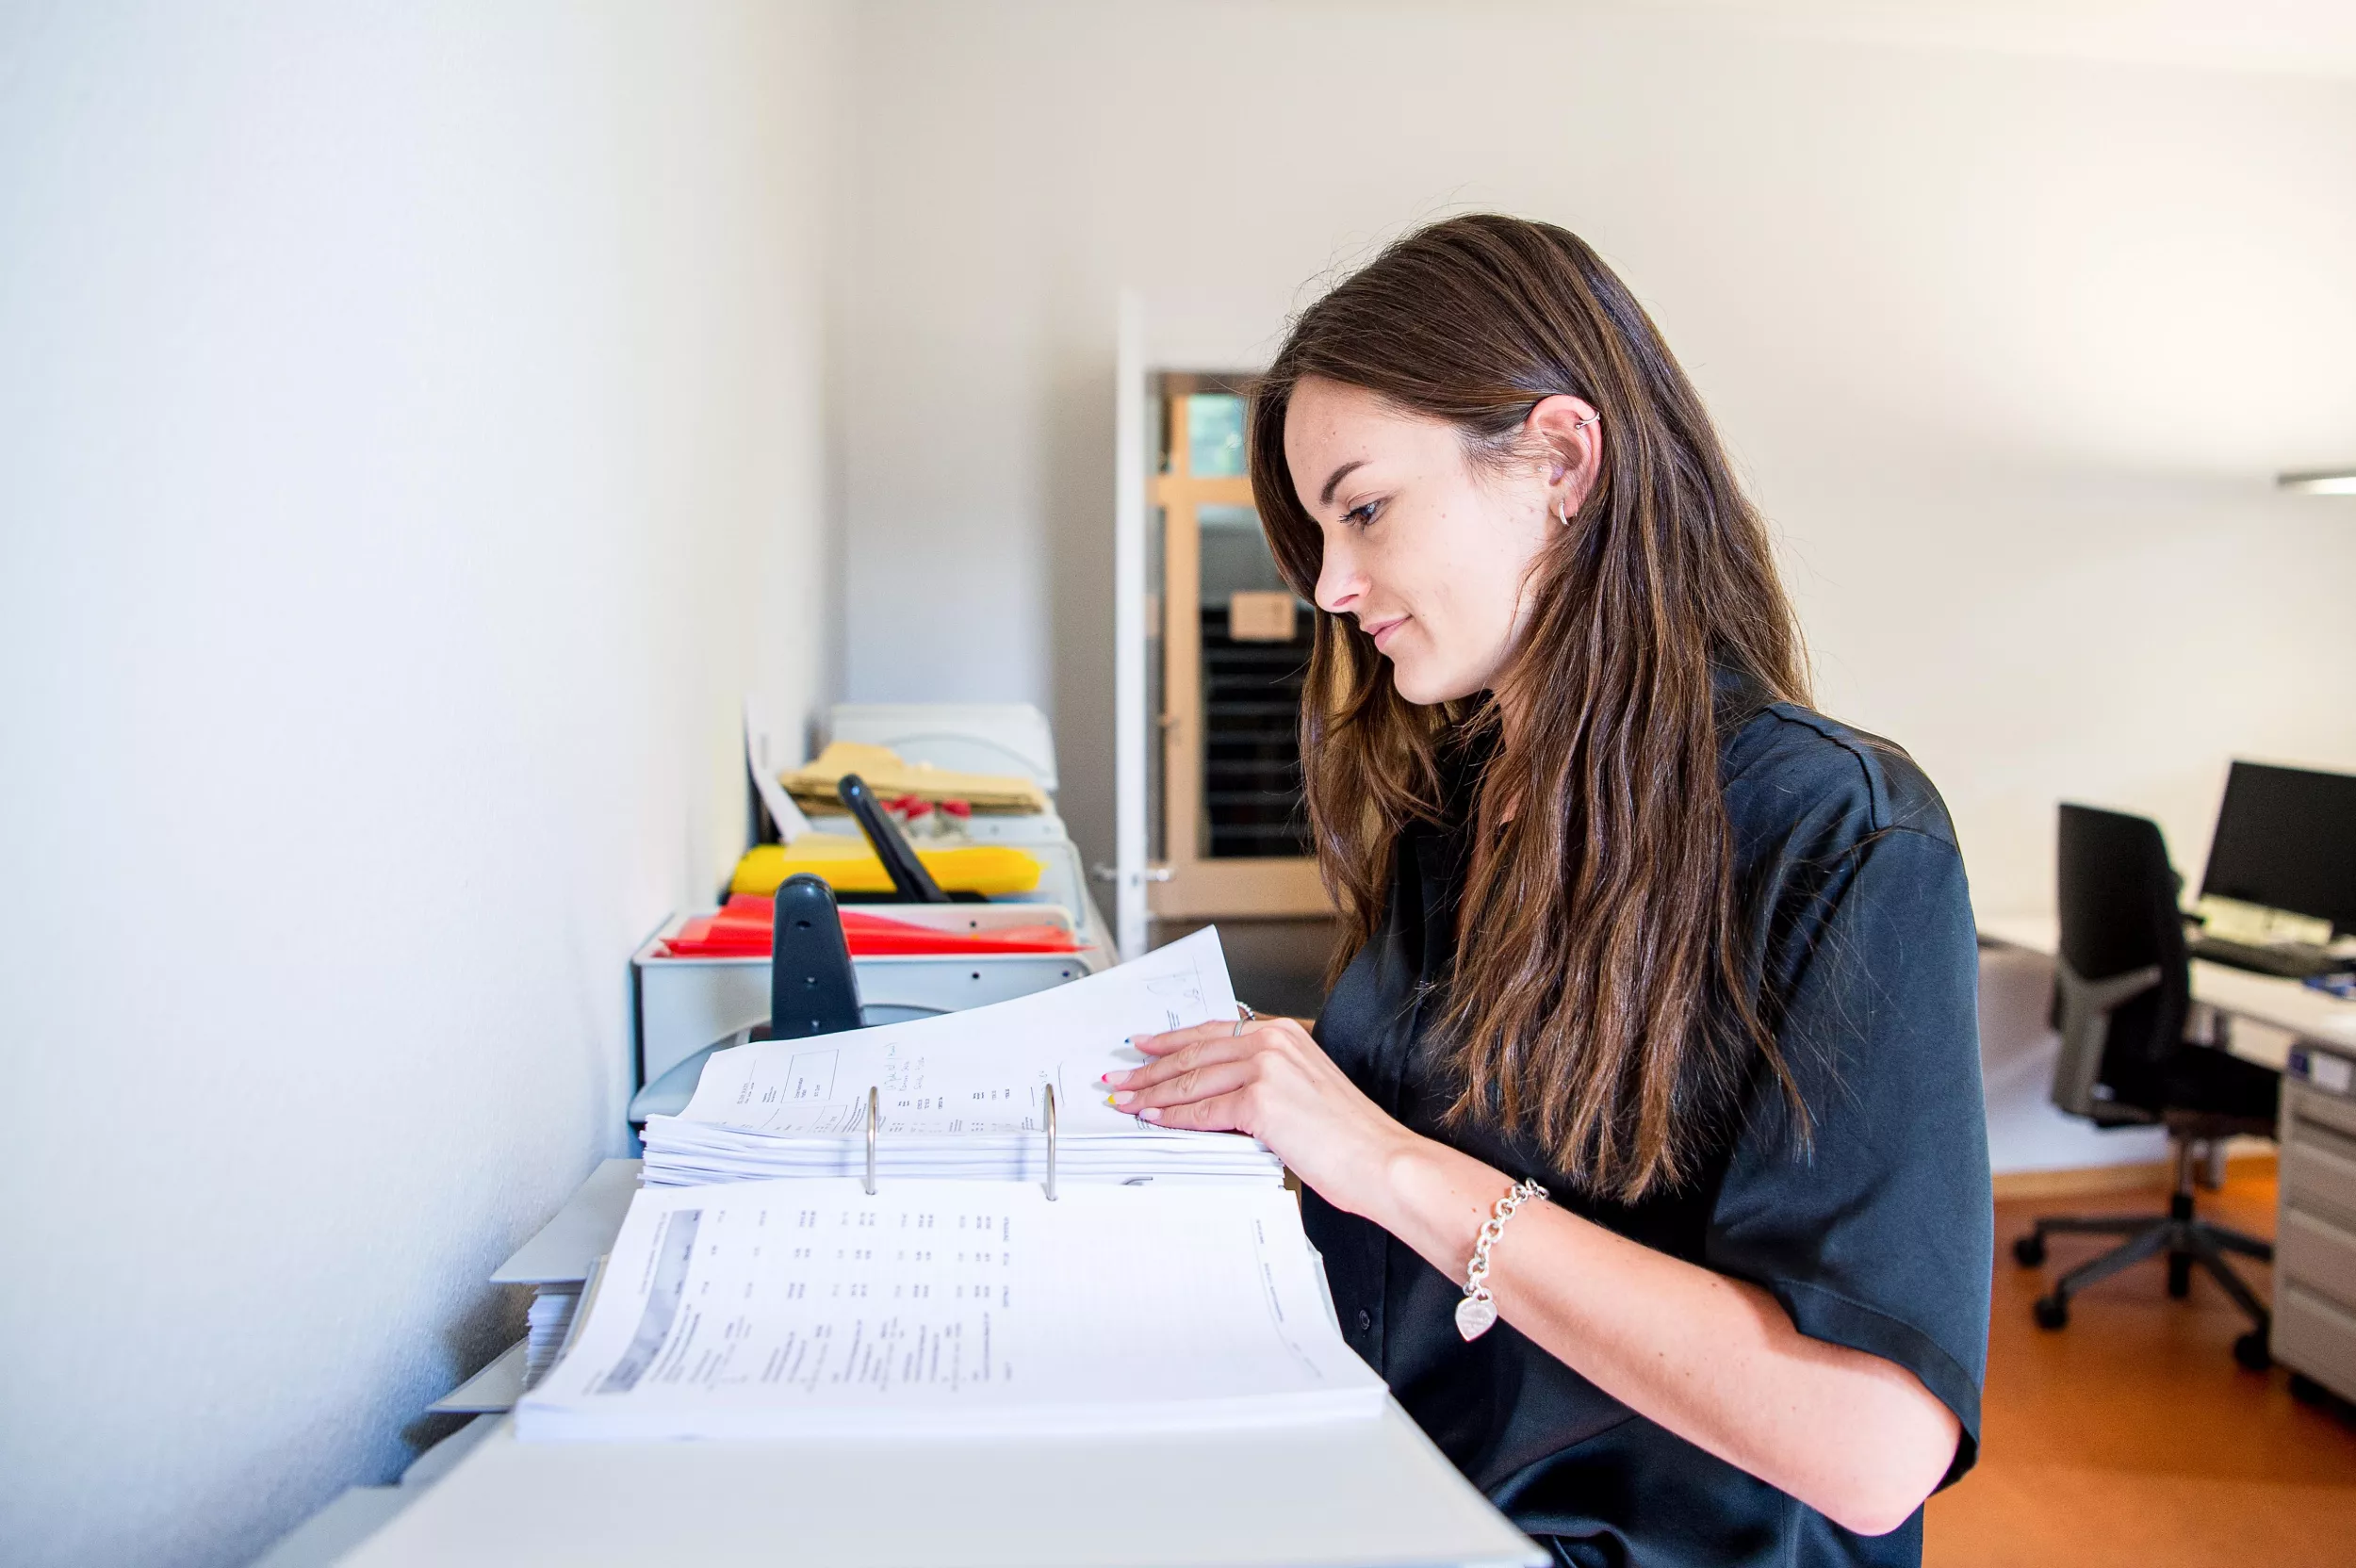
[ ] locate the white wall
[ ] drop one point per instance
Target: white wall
(2010, 344)
(410, 448)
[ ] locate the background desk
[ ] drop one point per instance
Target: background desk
(2284, 1010)
(2315, 1265)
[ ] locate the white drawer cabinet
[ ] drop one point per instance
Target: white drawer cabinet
(2315, 1256)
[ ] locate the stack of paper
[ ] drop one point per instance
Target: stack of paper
(546, 1324)
(813, 783)
(965, 1095)
(809, 1309)
(681, 1152)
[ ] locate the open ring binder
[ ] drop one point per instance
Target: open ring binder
(1051, 1143)
(875, 1096)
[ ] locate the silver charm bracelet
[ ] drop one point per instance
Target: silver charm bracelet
(1478, 1309)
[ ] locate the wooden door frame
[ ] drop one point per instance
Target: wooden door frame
(1188, 884)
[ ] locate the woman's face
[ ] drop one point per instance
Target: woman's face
(1432, 555)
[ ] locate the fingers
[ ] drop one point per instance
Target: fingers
(1184, 1059)
(1183, 1087)
(1178, 1039)
(1256, 1040)
(1221, 1112)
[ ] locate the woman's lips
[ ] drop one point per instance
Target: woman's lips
(1381, 631)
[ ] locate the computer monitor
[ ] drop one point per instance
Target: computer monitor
(2286, 840)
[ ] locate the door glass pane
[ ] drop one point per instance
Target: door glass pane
(1214, 436)
(1256, 652)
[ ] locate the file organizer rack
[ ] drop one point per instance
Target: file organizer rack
(683, 1005)
(813, 989)
(1012, 738)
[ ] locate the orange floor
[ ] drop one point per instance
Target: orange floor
(2129, 1437)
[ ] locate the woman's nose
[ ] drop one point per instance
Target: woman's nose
(1340, 583)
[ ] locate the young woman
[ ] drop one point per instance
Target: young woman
(1632, 924)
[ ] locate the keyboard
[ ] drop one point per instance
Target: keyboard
(2291, 963)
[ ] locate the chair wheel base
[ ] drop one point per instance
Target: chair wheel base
(2180, 1275)
(2029, 1250)
(2251, 1352)
(2051, 1312)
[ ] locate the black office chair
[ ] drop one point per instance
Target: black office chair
(2123, 992)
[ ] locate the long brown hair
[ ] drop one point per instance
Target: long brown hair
(1598, 999)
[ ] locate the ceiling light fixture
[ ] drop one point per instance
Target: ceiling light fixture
(2325, 482)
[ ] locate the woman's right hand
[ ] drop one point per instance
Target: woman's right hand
(1269, 1078)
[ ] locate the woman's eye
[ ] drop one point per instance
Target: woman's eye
(1362, 516)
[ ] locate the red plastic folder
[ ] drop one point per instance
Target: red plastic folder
(742, 930)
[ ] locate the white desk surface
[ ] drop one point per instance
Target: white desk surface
(322, 1539)
(493, 1390)
(2285, 1004)
(1373, 1493)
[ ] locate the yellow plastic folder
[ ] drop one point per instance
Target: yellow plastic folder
(813, 782)
(849, 866)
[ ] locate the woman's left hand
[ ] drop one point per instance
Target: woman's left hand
(1269, 1079)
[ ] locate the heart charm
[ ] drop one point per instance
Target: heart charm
(1474, 1316)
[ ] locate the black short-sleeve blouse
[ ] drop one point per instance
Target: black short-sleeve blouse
(1877, 1238)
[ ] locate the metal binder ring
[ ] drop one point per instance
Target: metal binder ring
(871, 1140)
(1051, 1143)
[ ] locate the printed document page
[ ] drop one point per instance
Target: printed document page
(806, 1308)
(979, 1072)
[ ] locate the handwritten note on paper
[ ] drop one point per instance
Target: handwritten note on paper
(805, 1307)
(977, 1072)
